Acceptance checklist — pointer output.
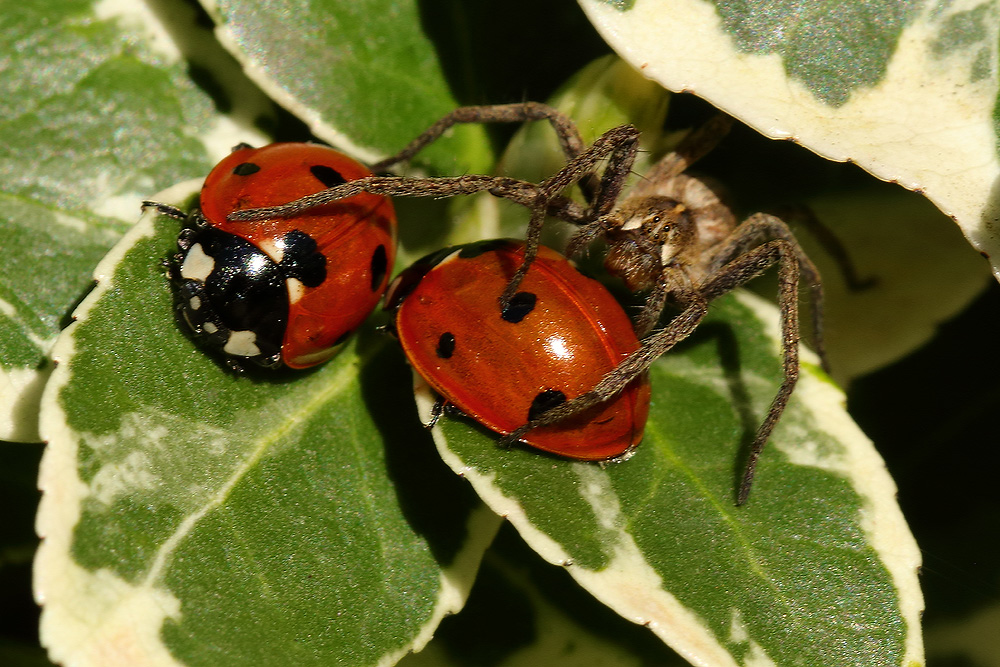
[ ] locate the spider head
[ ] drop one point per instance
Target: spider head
(652, 233)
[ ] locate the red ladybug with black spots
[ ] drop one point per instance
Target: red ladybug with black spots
(283, 291)
(559, 335)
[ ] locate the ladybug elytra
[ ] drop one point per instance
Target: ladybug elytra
(284, 291)
(557, 337)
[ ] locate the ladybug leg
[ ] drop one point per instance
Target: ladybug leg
(435, 414)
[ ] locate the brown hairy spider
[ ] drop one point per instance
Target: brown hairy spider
(671, 235)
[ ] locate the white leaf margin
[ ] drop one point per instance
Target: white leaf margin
(632, 588)
(925, 126)
(157, 32)
(95, 618)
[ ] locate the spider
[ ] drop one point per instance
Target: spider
(670, 236)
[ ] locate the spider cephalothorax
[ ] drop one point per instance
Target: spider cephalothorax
(648, 235)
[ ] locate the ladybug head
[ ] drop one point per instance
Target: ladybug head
(231, 295)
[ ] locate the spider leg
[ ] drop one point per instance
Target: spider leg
(761, 227)
(652, 309)
(692, 148)
(619, 145)
(566, 131)
(569, 136)
(734, 274)
(521, 192)
(587, 235)
(831, 244)
(165, 209)
(629, 368)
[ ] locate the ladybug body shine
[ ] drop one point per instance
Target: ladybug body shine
(559, 336)
(283, 291)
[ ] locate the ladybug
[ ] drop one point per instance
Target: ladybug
(559, 335)
(282, 291)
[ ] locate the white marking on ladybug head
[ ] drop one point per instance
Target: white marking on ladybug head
(197, 265)
(275, 249)
(195, 302)
(209, 328)
(242, 344)
(296, 290)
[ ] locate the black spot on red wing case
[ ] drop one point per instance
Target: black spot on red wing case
(545, 400)
(328, 176)
(246, 169)
(301, 259)
(379, 265)
(446, 345)
(520, 306)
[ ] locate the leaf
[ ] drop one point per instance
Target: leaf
(82, 147)
(192, 516)
(362, 76)
(920, 278)
(523, 612)
(659, 540)
(120, 478)
(906, 90)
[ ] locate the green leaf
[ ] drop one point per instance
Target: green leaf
(919, 278)
(523, 612)
(906, 90)
(364, 77)
(164, 468)
(82, 147)
(659, 539)
(194, 515)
